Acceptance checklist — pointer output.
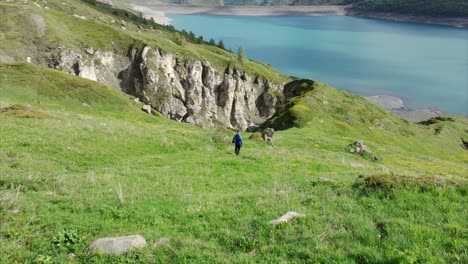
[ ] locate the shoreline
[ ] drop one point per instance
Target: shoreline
(458, 22)
(391, 103)
(159, 11)
(397, 106)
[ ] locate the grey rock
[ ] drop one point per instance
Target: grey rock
(116, 245)
(162, 241)
(325, 179)
(289, 216)
(109, 2)
(357, 165)
(89, 51)
(78, 16)
(146, 108)
(362, 149)
(41, 26)
(267, 135)
(5, 57)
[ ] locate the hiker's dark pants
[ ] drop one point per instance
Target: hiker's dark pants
(237, 150)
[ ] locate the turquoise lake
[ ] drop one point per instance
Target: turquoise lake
(425, 65)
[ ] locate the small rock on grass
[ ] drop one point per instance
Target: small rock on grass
(357, 165)
(289, 216)
(162, 241)
(146, 108)
(325, 179)
(116, 245)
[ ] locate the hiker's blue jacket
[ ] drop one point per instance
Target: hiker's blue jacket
(237, 139)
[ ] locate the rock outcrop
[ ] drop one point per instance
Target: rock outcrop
(116, 245)
(358, 147)
(267, 135)
(187, 90)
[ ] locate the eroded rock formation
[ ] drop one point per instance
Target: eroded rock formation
(187, 90)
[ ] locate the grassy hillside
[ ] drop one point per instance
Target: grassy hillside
(33, 31)
(81, 161)
(93, 165)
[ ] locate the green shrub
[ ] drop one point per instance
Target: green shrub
(23, 111)
(67, 239)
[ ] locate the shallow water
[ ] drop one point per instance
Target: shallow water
(425, 65)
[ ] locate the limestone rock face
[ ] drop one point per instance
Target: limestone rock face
(116, 245)
(101, 66)
(187, 90)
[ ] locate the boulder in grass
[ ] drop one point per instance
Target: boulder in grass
(146, 108)
(325, 179)
(267, 135)
(289, 216)
(162, 241)
(117, 245)
(362, 149)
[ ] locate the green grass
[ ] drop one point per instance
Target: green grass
(52, 89)
(81, 161)
(112, 170)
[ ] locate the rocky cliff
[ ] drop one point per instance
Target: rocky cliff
(187, 90)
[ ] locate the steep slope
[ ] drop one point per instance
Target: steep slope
(307, 100)
(44, 88)
(185, 80)
(93, 165)
(337, 117)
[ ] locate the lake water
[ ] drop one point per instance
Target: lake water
(425, 65)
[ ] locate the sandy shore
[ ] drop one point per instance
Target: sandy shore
(397, 106)
(155, 12)
(158, 11)
(461, 22)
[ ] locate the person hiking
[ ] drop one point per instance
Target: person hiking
(237, 140)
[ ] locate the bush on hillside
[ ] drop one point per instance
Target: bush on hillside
(24, 111)
(388, 182)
